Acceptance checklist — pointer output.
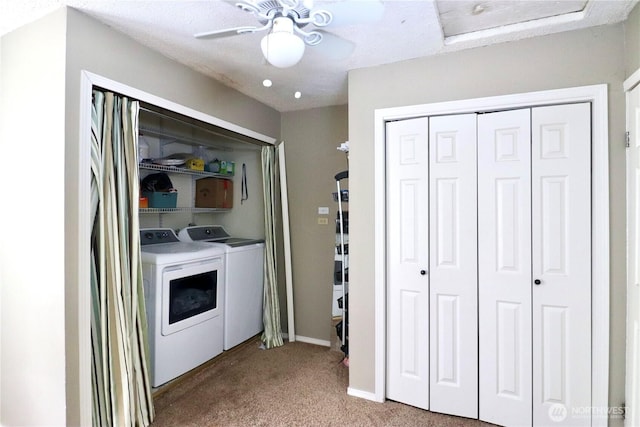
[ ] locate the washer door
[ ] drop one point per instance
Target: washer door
(191, 294)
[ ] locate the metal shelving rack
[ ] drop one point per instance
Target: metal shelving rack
(344, 330)
(191, 134)
(185, 171)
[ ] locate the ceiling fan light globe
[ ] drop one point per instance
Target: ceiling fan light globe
(282, 49)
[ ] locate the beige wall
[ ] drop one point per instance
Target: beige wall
(632, 41)
(40, 114)
(32, 272)
(311, 138)
(562, 60)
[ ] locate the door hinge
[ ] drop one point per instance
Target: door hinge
(627, 138)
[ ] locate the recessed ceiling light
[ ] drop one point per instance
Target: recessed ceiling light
(297, 95)
(267, 83)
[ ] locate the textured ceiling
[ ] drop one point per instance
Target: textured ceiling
(408, 29)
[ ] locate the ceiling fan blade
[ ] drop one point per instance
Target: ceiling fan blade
(351, 12)
(334, 47)
(225, 33)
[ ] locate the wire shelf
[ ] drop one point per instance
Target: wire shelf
(174, 169)
(181, 210)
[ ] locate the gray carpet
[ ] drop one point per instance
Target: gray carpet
(295, 385)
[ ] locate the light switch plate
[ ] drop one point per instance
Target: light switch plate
(322, 210)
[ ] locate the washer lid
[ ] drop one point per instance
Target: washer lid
(211, 233)
(214, 234)
(235, 242)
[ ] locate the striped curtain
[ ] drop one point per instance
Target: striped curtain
(121, 387)
(272, 335)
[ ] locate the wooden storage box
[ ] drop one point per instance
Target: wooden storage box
(214, 193)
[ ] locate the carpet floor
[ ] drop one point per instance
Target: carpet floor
(297, 384)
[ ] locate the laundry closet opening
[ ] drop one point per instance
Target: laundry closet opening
(186, 300)
(201, 205)
(492, 269)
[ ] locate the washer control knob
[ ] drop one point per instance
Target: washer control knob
(148, 235)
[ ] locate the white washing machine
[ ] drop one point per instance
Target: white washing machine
(184, 295)
(244, 263)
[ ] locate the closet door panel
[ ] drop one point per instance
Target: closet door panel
(407, 258)
(504, 267)
(453, 266)
(561, 230)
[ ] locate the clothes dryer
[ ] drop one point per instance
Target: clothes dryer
(184, 294)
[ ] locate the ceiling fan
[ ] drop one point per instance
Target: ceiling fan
(285, 43)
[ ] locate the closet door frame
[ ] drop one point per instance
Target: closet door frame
(597, 96)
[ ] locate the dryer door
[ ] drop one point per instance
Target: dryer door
(191, 294)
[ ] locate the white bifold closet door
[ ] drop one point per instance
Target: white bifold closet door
(534, 204)
(561, 248)
(408, 262)
(432, 340)
(504, 260)
(453, 272)
(489, 265)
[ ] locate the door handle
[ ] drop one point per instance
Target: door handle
(537, 282)
(423, 272)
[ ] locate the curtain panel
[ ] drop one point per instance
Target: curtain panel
(272, 335)
(121, 386)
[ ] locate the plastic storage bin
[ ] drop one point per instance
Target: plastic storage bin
(164, 200)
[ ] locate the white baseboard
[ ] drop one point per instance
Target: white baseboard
(315, 341)
(362, 394)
